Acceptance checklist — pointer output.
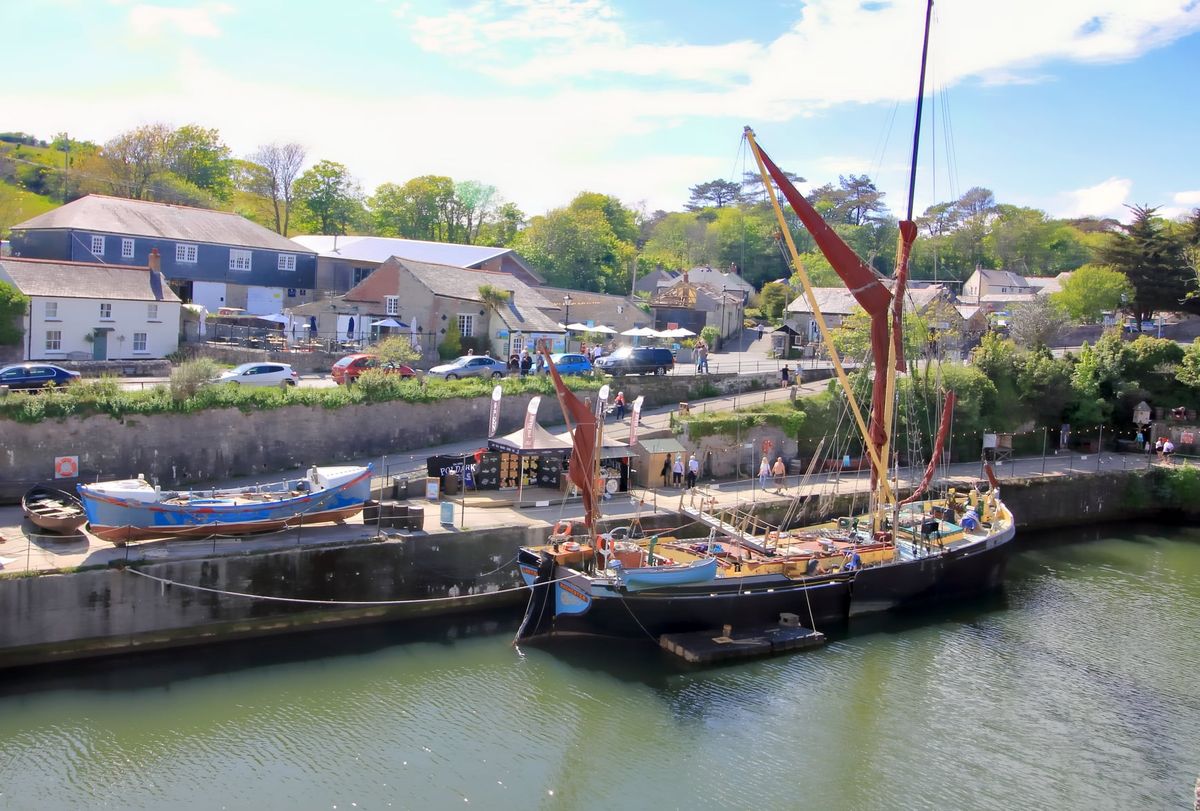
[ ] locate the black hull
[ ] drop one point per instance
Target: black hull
(953, 575)
(823, 604)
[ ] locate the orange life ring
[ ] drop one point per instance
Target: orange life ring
(562, 528)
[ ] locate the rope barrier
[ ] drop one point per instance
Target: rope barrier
(303, 601)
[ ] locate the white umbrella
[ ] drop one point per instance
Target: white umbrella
(277, 318)
(577, 327)
(678, 332)
(603, 330)
(640, 332)
(388, 322)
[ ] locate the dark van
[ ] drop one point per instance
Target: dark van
(637, 360)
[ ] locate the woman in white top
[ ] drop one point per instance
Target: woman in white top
(764, 473)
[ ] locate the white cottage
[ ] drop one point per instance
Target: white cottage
(82, 311)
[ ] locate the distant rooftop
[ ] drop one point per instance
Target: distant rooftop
(380, 249)
(141, 218)
(40, 277)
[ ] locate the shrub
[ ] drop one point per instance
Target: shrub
(451, 344)
(187, 378)
(12, 307)
(711, 335)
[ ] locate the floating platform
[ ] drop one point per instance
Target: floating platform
(708, 647)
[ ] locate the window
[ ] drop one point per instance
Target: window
(151, 312)
(286, 261)
(51, 310)
(105, 311)
(98, 246)
(126, 248)
(391, 305)
(358, 274)
(139, 342)
(466, 324)
(54, 340)
(239, 260)
(185, 253)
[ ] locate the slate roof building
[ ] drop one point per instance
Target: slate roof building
(84, 311)
(214, 258)
(345, 261)
(727, 281)
(428, 297)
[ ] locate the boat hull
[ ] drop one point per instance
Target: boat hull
(66, 518)
(119, 520)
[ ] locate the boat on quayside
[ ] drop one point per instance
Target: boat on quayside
(135, 510)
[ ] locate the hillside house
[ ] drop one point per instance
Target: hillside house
(585, 307)
(87, 311)
(695, 306)
(213, 258)
(997, 287)
(836, 303)
(720, 281)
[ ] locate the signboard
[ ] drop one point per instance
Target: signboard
(530, 420)
(494, 417)
(767, 445)
(1187, 438)
(633, 420)
(433, 487)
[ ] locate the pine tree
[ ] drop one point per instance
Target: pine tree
(1155, 263)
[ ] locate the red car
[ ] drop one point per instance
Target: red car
(347, 370)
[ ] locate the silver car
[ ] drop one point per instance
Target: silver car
(261, 374)
(469, 366)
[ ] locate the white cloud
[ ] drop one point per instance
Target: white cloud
(196, 21)
(562, 24)
(1105, 199)
(1187, 198)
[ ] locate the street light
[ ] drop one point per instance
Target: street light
(566, 320)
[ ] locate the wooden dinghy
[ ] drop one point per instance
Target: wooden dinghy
(53, 510)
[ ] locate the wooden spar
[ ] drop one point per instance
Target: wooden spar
(878, 462)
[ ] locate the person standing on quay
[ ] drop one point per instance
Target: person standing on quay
(693, 471)
(677, 471)
(780, 471)
(784, 376)
(764, 473)
(666, 470)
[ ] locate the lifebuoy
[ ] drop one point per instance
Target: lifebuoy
(562, 528)
(66, 467)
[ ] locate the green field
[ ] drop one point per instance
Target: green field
(18, 205)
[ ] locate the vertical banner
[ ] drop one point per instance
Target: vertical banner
(633, 420)
(530, 421)
(494, 418)
(602, 401)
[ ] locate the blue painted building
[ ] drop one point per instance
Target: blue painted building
(214, 258)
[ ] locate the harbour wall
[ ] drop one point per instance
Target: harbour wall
(217, 444)
(56, 617)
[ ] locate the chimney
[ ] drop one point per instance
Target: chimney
(685, 281)
(154, 263)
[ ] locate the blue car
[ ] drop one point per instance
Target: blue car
(572, 363)
(35, 376)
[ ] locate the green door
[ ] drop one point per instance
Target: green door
(100, 345)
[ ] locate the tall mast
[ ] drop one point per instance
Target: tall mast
(908, 232)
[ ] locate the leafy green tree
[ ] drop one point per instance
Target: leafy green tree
(1036, 323)
(502, 227)
(754, 191)
(676, 242)
(450, 346)
(278, 169)
(738, 236)
(621, 220)
(330, 197)
(1188, 372)
(1091, 291)
(1043, 384)
(198, 156)
(1018, 239)
(475, 202)
(717, 193)
(577, 249)
(1155, 263)
(1097, 379)
(12, 311)
(423, 208)
(396, 349)
(774, 298)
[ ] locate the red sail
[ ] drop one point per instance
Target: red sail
(582, 470)
(862, 282)
(938, 445)
(908, 233)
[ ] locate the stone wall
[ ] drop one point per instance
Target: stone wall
(221, 444)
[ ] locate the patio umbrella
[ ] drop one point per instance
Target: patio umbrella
(603, 330)
(390, 323)
(277, 318)
(640, 332)
(577, 327)
(350, 327)
(678, 332)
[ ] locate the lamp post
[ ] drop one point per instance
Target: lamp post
(567, 320)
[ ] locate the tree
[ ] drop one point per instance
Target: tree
(423, 208)
(1155, 263)
(450, 346)
(502, 227)
(1018, 239)
(330, 196)
(197, 156)
(12, 311)
(774, 298)
(1188, 371)
(754, 191)
(718, 193)
(134, 157)
(576, 248)
(280, 165)
(1091, 291)
(475, 203)
(396, 349)
(1036, 323)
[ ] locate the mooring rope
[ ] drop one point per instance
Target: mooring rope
(304, 601)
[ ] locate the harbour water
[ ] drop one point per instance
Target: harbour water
(1078, 687)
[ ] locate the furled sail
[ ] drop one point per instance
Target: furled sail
(938, 445)
(582, 421)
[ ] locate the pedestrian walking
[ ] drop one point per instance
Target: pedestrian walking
(784, 376)
(780, 471)
(764, 473)
(619, 404)
(1168, 451)
(693, 471)
(677, 471)
(526, 363)
(1158, 449)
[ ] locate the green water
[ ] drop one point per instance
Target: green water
(1078, 688)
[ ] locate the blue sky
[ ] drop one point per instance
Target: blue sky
(1076, 107)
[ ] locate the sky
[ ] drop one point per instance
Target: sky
(1076, 107)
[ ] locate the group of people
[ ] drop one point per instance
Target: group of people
(675, 472)
(593, 352)
(524, 363)
(1165, 449)
(766, 470)
(701, 356)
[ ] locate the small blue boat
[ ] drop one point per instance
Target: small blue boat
(133, 509)
(651, 577)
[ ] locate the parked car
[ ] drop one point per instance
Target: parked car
(260, 374)
(470, 366)
(570, 363)
(35, 376)
(347, 369)
(633, 360)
